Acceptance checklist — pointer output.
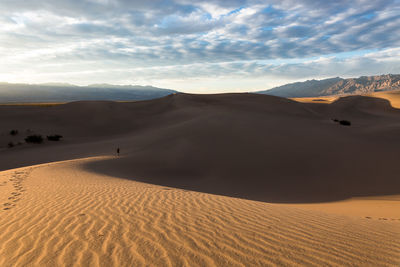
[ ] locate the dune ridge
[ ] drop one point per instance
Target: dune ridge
(68, 216)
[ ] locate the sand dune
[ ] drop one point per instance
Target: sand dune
(67, 216)
(284, 150)
(320, 99)
(188, 186)
(392, 96)
(270, 149)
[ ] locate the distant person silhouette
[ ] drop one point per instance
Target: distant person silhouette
(118, 151)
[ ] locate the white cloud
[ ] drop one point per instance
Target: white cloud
(226, 43)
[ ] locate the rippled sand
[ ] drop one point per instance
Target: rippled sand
(59, 214)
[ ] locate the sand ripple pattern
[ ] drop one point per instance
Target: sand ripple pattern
(70, 217)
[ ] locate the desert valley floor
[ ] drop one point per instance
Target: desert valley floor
(202, 180)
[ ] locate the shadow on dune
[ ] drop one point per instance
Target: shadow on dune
(251, 146)
(267, 149)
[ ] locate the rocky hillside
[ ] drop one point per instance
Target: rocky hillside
(337, 86)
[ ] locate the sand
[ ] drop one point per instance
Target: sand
(392, 96)
(202, 180)
(319, 99)
(62, 215)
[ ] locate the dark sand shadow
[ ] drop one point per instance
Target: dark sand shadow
(297, 178)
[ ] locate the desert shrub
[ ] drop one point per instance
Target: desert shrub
(10, 145)
(345, 123)
(36, 139)
(54, 137)
(14, 132)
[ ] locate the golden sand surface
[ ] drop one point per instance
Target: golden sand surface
(392, 96)
(60, 214)
(320, 99)
(202, 180)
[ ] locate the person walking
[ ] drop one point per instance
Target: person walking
(118, 151)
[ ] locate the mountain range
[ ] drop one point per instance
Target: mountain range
(60, 92)
(337, 86)
(63, 92)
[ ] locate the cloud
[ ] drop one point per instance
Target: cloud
(110, 36)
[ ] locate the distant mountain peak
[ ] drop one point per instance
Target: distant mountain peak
(337, 86)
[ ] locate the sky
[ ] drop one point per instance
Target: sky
(197, 46)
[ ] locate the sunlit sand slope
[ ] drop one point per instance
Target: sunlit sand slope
(321, 99)
(61, 215)
(392, 96)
